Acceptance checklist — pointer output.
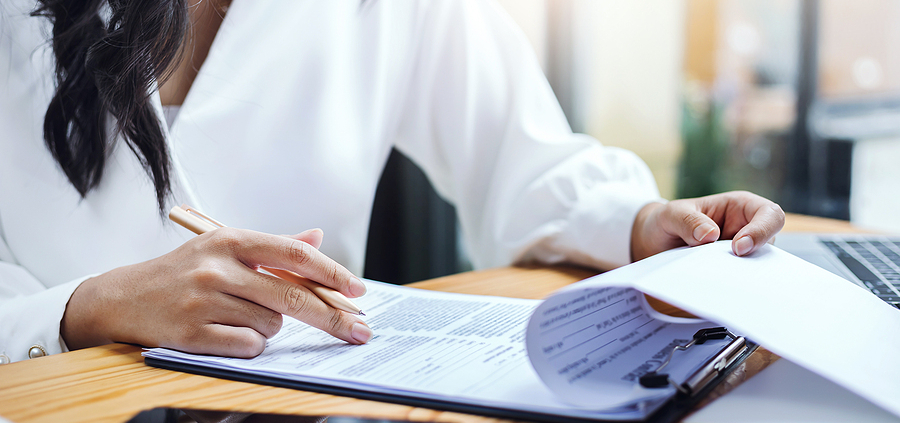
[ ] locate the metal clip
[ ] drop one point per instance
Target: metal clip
(706, 373)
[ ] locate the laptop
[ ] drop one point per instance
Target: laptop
(870, 261)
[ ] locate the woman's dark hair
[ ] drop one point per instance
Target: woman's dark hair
(107, 67)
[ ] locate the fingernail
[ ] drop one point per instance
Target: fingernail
(743, 245)
(360, 333)
(702, 231)
(357, 287)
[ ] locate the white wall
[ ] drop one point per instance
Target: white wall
(627, 71)
(634, 52)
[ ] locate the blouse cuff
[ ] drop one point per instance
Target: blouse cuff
(31, 324)
(599, 231)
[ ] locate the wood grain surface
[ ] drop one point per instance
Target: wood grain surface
(111, 383)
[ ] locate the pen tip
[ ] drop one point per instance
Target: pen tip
(361, 313)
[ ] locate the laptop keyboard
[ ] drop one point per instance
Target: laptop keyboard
(876, 262)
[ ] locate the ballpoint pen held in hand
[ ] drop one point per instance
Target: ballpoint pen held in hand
(199, 223)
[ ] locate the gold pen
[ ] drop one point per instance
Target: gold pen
(200, 223)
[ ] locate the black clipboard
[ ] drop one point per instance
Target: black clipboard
(672, 410)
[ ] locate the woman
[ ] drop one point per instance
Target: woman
(281, 115)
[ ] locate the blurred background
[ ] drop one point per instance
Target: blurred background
(796, 100)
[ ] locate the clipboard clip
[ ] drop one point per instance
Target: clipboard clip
(706, 373)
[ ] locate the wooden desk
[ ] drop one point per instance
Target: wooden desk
(111, 383)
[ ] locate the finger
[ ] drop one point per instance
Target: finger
(311, 236)
(236, 311)
(258, 249)
(766, 220)
(683, 219)
(300, 303)
(223, 340)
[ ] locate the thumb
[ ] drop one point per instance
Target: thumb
(692, 226)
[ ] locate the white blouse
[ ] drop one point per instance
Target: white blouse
(287, 127)
(170, 113)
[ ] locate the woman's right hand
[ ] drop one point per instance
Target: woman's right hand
(207, 297)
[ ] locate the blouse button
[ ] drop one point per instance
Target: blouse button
(36, 351)
(4, 359)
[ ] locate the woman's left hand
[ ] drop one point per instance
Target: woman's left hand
(747, 219)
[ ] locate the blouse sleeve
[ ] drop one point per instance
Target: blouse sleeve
(30, 313)
(482, 121)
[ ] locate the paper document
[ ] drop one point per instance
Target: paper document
(580, 352)
(787, 393)
(456, 347)
(797, 310)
